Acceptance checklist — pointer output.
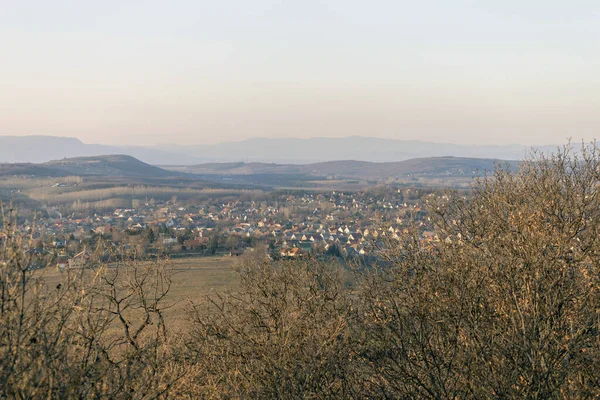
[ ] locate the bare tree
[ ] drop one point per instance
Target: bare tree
(96, 333)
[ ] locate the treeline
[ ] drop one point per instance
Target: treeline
(61, 196)
(28, 183)
(505, 305)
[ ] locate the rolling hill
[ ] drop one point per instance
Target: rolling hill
(432, 166)
(432, 171)
(108, 165)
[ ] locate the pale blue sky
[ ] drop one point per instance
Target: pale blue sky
(145, 72)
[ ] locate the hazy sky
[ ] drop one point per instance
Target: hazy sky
(146, 72)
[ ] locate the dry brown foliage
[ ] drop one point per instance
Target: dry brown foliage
(507, 304)
(282, 334)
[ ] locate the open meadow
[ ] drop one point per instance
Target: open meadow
(192, 280)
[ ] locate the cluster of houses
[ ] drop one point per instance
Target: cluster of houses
(291, 224)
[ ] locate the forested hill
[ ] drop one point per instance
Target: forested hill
(433, 166)
(108, 165)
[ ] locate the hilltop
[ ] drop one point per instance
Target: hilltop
(117, 165)
(108, 165)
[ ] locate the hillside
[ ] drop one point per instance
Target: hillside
(108, 165)
(28, 169)
(432, 166)
(436, 171)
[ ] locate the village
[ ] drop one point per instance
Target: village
(288, 224)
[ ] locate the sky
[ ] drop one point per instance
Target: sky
(199, 72)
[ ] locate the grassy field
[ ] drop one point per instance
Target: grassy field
(193, 279)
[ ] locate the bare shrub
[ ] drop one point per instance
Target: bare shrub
(282, 334)
(506, 304)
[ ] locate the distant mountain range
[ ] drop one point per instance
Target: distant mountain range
(303, 151)
(38, 149)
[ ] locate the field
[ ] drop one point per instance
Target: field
(197, 277)
(193, 279)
